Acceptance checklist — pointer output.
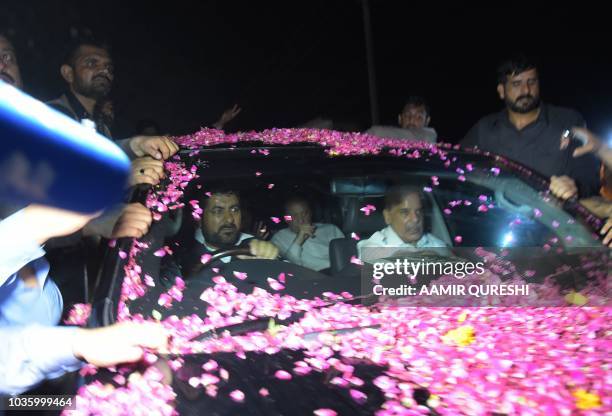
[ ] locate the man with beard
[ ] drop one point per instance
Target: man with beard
(528, 131)
(88, 70)
(404, 216)
(9, 69)
(220, 230)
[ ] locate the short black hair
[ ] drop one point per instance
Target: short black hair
(73, 48)
(219, 189)
(396, 194)
(513, 66)
(299, 199)
(416, 101)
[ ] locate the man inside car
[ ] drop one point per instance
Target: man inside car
(305, 243)
(403, 214)
(220, 230)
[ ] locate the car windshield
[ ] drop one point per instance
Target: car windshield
(228, 309)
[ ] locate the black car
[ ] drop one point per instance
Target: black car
(271, 337)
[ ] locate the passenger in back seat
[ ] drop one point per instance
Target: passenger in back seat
(305, 243)
(404, 217)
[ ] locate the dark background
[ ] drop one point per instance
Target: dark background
(182, 63)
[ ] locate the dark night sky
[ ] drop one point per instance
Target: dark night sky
(182, 63)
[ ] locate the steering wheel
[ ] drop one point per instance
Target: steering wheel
(219, 254)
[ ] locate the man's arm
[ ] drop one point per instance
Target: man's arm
(472, 138)
(28, 355)
(32, 354)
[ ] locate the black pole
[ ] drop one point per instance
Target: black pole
(367, 26)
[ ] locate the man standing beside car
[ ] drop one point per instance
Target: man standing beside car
(528, 130)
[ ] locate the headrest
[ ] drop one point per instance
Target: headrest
(356, 220)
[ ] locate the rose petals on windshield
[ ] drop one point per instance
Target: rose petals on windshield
(359, 396)
(458, 239)
(368, 209)
(324, 412)
(237, 396)
(357, 261)
(240, 275)
(282, 375)
(537, 213)
(275, 284)
(555, 224)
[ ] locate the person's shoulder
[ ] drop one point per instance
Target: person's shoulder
(563, 113)
(433, 241)
(488, 120)
(61, 104)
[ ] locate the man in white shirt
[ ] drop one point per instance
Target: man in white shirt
(413, 123)
(404, 217)
(303, 242)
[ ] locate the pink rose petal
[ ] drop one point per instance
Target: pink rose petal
(240, 275)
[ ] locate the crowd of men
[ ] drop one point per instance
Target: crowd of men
(526, 130)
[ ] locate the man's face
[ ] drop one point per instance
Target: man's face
(92, 72)
(300, 215)
(9, 69)
(406, 218)
(413, 117)
(521, 92)
(222, 220)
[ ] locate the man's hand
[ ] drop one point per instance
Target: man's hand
(119, 343)
(592, 145)
(606, 231)
(263, 249)
(563, 187)
(227, 116)
(44, 222)
(261, 231)
(146, 170)
(158, 147)
(134, 221)
(306, 231)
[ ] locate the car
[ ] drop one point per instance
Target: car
(268, 337)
